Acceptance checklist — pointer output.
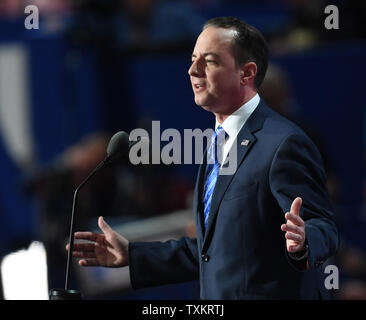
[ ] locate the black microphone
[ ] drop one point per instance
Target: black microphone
(118, 147)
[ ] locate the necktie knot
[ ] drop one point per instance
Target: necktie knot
(219, 129)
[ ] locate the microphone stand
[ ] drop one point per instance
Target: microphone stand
(66, 293)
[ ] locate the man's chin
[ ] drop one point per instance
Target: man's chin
(203, 104)
(207, 108)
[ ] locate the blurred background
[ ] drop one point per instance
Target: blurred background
(95, 67)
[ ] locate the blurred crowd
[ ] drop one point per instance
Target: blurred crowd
(142, 24)
(132, 26)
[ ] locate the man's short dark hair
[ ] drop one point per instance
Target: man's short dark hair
(248, 44)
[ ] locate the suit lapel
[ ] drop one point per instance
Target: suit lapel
(197, 198)
(244, 143)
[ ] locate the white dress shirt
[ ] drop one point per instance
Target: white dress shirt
(233, 123)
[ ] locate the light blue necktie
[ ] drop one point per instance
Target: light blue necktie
(214, 154)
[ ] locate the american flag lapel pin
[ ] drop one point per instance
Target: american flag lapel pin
(245, 142)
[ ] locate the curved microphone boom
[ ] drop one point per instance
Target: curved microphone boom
(118, 147)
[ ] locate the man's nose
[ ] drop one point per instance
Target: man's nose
(196, 69)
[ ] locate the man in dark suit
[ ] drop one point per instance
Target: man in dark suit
(264, 231)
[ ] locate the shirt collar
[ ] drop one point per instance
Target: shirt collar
(236, 120)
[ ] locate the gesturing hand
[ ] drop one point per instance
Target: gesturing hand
(295, 228)
(109, 249)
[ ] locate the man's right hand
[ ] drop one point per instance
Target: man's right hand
(109, 249)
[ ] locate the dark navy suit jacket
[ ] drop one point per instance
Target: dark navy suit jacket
(242, 253)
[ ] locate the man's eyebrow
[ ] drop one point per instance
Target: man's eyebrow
(207, 54)
(211, 54)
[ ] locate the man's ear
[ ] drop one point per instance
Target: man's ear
(248, 72)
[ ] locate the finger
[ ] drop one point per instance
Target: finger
(296, 205)
(83, 254)
(292, 228)
(89, 263)
(104, 226)
(293, 236)
(295, 248)
(91, 236)
(295, 219)
(86, 247)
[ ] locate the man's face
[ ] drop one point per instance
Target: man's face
(214, 75)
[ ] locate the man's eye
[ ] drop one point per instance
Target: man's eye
(211, 61)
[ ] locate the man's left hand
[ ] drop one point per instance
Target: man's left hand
(295, 228)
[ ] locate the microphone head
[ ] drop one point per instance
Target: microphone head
(118, 145)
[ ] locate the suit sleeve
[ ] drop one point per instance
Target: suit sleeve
(297, 170)
(159, 263)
